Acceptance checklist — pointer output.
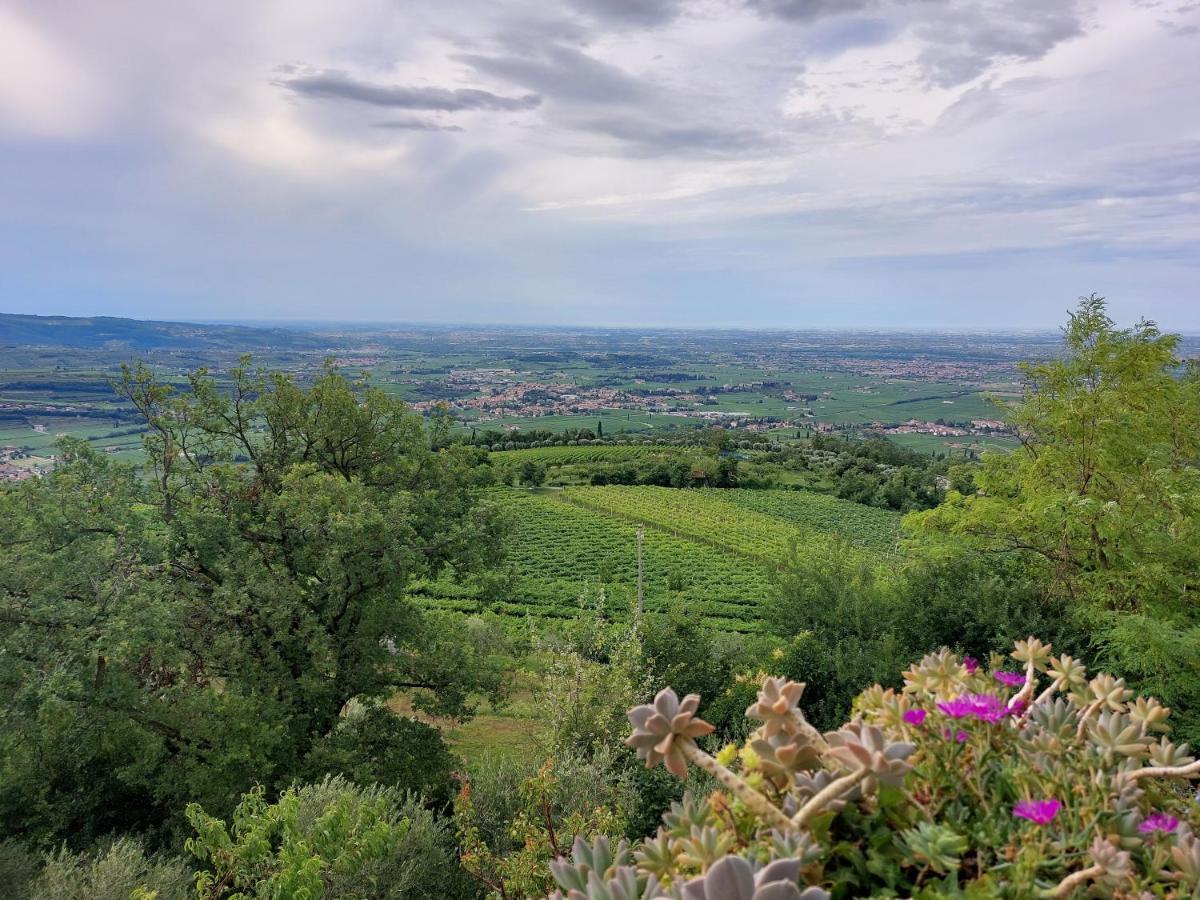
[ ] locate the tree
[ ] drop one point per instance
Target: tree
(531, 473)
(1103, 494)
(188, 634)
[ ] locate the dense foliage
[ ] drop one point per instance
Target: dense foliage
(181, 637)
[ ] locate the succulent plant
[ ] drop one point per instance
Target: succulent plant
(663, 730)
(777, 705)
(597, 872)
(780, 757)
(858, 746)
(657, 855)
(703, 847)
(1186, 857)
(1150, 714)
(950, 787)
(936, 846)
(1032, 651)
(1108, 692)
(734, 878)
(1116, 733)
(686, 814)
(622, 884)
(937, 674)
(1165, 753)
(1067, 673)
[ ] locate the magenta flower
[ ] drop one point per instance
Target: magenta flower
(960, 735)
(1040, 812)
(914, 716)
(1015, 708)
(1158, 822)
(1012, 679)
(984, 707)
(971, 663)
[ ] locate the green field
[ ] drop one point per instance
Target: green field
(952, 446)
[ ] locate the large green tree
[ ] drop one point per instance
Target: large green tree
(1103, 495)
(182, 635)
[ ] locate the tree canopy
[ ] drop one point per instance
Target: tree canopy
(181, 636)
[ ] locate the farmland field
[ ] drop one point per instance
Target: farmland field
(566, 554)
(566, 456)
(711, 550)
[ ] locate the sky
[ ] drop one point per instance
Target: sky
(773, 163)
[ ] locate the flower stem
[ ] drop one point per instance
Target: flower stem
(1067, 886)
(737, 786)
(830, 792)
(1192, 770)
(811, 734)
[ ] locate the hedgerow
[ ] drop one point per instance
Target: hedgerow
(970, 781)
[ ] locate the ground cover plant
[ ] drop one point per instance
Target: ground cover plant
(1018, 778)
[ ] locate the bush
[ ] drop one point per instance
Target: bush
(512, 819)
(965, 782)
(376, 746)
(121, 871)
(330, 840)
(19, 866)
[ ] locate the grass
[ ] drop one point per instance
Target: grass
(513, 728)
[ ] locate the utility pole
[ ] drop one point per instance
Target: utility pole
(641, 534)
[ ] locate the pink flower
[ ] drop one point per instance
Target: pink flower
(985, 707)
(971, 663)
(1158, 822)
(960, 735)
(1015, 708)
(1012, 679)
(1040, 812)
(914, 716)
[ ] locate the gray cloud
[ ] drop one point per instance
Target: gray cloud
(632, 12)
(561, 72)
(336, 85)
(807, 10)
(644, 137)
(415, 125)
(585, 94)
(966, 40)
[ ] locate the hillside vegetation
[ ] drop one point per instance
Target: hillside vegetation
(320, 646)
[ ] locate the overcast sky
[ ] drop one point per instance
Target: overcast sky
(661, 162)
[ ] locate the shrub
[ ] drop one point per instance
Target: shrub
(375, 746)
(965, 782)
(332, 840)
(512, 821)
(121, 871)
(18, 867)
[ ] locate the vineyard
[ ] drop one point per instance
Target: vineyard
(711, 550)
(585, 453)
(878, 529)
(566, 555)
(760, 525)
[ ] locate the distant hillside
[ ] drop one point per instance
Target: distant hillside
(109, 333)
